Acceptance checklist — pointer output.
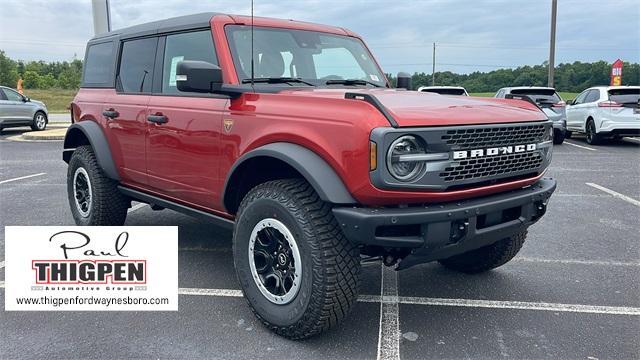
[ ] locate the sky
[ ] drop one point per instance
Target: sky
(480, 35)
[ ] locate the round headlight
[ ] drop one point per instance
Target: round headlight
(401, 167)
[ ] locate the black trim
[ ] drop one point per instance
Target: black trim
(187, 210)
(313, 168)
(371, 99)
(436, 225)
(93, 132)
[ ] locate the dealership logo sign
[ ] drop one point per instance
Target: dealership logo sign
(502, 150)
(91, 268)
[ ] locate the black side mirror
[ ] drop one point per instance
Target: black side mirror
(404, 81)
(26, 99)
(198, 76)
(571, 102)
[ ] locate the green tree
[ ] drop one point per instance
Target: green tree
(31, 79)
(8, 71)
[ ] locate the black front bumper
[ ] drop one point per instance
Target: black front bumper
(439, 231)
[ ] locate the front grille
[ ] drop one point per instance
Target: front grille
(496, 166)
(494, 136)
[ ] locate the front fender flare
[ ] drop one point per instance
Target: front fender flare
(98, 141)
(311, 166)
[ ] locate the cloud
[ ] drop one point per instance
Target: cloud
(470, 35)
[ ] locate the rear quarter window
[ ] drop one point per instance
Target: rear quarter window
(99, 65)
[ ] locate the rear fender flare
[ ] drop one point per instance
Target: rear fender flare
(98, 141)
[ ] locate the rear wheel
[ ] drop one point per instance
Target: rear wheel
(93, 197)
(488, 257)
(298, 272)
(39, 121)
(592, 136)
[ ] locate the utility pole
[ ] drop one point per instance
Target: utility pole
(101, 16)
(433, 69)
(552, 42)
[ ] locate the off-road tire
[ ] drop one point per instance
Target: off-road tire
(108, 205)
(558, 137)
(35, 126)
(330, 263)
(488, 257)
(592, 136)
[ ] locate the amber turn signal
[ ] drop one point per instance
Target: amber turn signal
(373, 156)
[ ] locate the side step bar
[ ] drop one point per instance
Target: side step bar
(152, 199)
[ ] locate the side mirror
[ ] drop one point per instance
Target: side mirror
(26, 99)
(198, 76)
(571, 102)
(404, 81)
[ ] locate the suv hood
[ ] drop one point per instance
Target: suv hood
(412, 108)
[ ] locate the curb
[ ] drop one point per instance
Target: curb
(54, 134)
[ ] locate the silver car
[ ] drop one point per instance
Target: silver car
(19, 110)
(549, 101)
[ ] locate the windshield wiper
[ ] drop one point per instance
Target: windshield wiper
(276, 80)
(351, 82)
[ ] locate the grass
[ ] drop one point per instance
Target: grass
(564, 95)
(56, 100)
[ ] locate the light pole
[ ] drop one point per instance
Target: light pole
(101, 16)
(552, 42)
(433, 68)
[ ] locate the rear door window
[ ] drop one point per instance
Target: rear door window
(593, 96)
(136, 65)
(624, 96)
(196, 45)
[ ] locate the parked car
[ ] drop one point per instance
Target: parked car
(445, 90)
(549, 101)
(19, 110)
(313, 165)
(605, 111)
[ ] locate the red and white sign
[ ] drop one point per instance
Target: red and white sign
(616, 73)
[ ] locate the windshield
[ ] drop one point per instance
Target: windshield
(539, 95)
(624, 96)
(314, 57)
(445, 91)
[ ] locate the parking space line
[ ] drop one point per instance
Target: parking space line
(636, 140)
(471, 303)
(577, 262)
(579, 146)
(389, 331)
(21, 178)
(615, 194)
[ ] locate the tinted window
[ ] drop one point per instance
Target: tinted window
(12, 95)
(445, 91)
(581, 97)
(187, 46)
(136, 65)
(625, 96)
(594, 95)
(539, 95)
(98, 66)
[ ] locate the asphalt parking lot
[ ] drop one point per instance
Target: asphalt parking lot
(572, 293)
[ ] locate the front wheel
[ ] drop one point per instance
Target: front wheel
(39, 121)
(488, 257)
(93, 197)
(298, 272)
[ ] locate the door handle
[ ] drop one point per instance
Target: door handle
(157, 118)
(110, 113)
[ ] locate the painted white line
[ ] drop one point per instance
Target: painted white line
(632, 139)
(136, 207)
(1, 264)
(412, 300)
(579, 146)
(577, 262)
(522, 305)
(615, 194)
(389, 333)
(21, 178)
(210, 292)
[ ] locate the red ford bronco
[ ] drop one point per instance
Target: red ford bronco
(290, 133)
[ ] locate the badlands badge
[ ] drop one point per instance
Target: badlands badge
(228, 124)
(91, 268)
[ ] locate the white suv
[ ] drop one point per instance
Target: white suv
(605, 111)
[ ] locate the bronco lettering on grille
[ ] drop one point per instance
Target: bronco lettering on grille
(502, 150)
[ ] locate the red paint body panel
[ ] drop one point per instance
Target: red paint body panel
(188, 158)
